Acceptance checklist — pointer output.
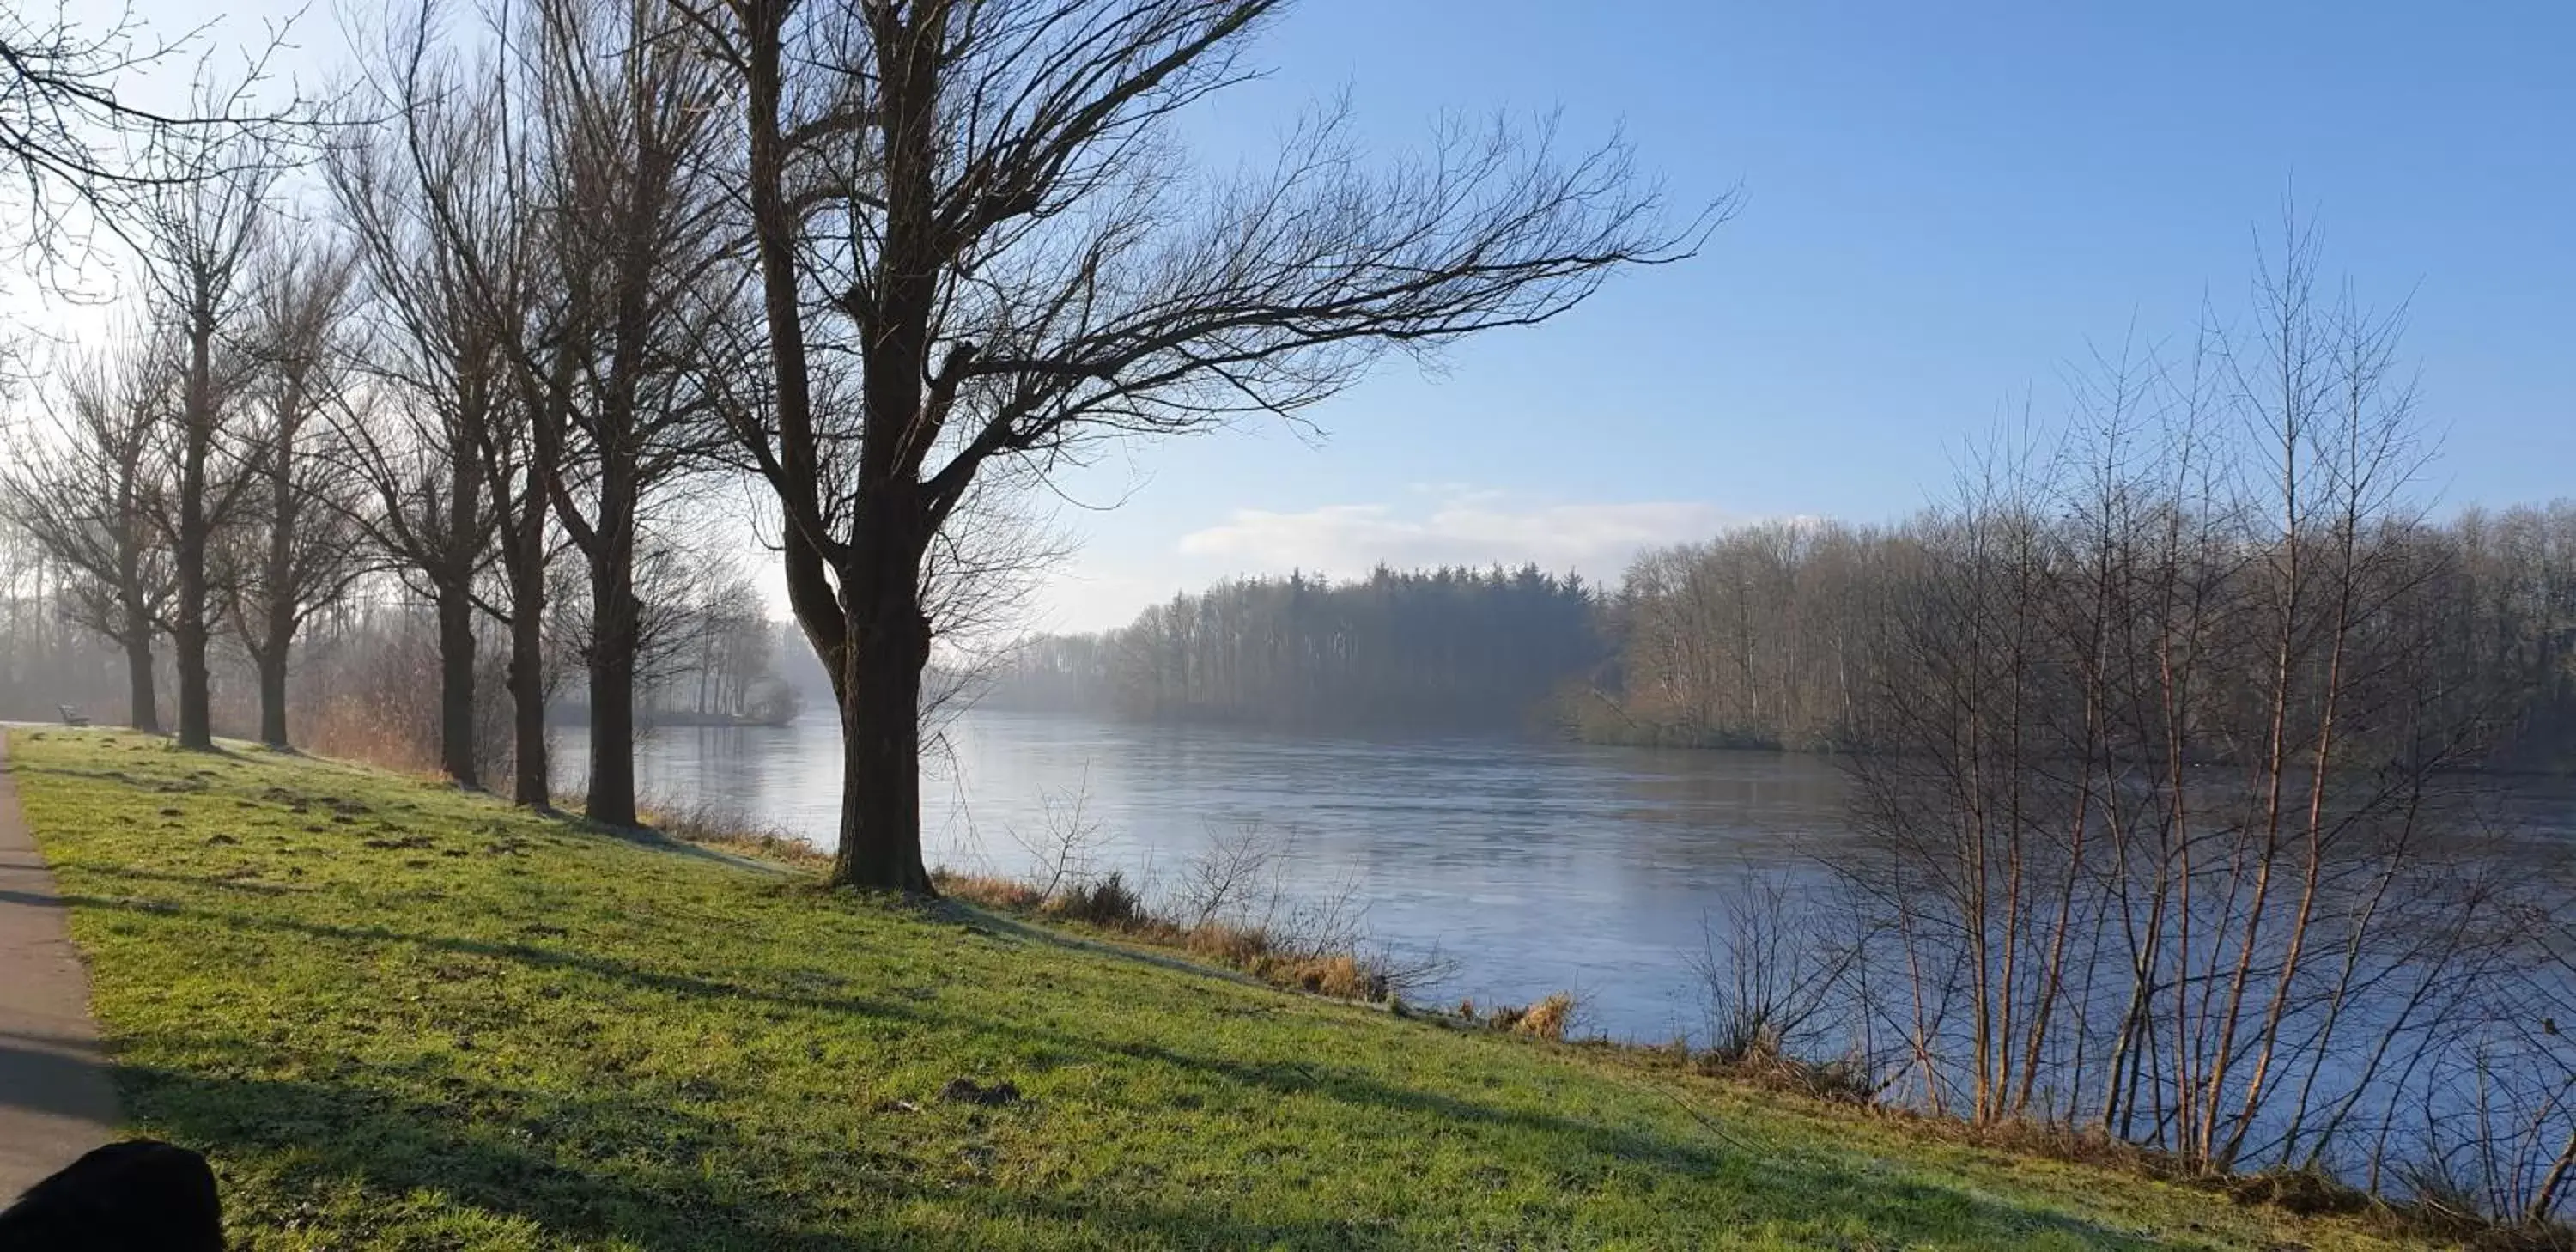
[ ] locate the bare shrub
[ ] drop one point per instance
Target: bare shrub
(386, 706)
(2171, 821)
(1066, 853)
(1773, 981)
(719, 825)
(1225, 877)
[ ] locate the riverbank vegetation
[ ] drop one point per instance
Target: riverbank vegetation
(395, 1014)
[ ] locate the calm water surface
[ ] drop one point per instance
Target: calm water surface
(1530, 867)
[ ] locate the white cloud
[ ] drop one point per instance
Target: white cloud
(1433, 524)
(1467, 527)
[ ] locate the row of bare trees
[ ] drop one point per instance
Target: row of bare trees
(188, 476)
(474, 349)
(537, 213)
(1767, 636)
(895, 261)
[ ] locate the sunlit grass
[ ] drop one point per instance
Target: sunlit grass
(399, 1016)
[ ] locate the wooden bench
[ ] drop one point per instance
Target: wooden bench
(72, 716)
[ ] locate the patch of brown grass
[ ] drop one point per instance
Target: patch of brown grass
(351, 730)
(1239, 946)
(710, 827)
(1008, 895)
(1108, 904)
(1548, 1018)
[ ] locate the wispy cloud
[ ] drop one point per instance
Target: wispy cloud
(1465, 527)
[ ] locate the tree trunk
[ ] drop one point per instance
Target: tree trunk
(612, 736)
(279, 586)
(145, 711)
(272, 696)
(880, 691)
(188, 640)
(188, 550)
(533, 784)
(616, 631)
(456, 683)
(881, 770)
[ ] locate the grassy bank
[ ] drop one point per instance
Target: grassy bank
(396, 1016)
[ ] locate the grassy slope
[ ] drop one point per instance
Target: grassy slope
(397, 1016)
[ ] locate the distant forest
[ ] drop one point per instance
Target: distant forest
(1776, 635)
(1434, 649)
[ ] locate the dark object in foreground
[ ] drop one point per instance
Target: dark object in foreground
(138, 1196)
(969, 1091)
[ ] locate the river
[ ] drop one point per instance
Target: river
(1525, 867)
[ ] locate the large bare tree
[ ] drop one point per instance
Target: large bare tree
(983, 204)
(197, 233)
(74, 140)
(624, 224)
(421, 428)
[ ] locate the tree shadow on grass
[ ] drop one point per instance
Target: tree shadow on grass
(1006, 927)
(237, 886)
(313, 1140)
(555, 1162)
(570, 1163)
(625, 972)
(319, 1137)
(1897, 1209)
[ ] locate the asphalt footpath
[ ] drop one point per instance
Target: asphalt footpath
(55, 1098)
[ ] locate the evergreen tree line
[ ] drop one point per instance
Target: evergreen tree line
(1442, 648)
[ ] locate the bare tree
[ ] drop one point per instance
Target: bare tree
(198, 232)
(73, 141)
(2164, 813)
(422, 431)
(566, 194)
(632, 241)
(981, 203)
(306, 507)
(88, 496)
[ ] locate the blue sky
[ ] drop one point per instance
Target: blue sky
(1942, 206)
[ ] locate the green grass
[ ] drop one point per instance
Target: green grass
(397, 1016)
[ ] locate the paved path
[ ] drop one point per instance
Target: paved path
(55, 1098)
